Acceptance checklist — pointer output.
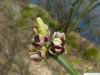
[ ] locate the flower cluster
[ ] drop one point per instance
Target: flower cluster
(44, 43)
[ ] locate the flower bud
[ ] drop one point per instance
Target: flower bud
(36, 56)
(35, 30)
(42, 27)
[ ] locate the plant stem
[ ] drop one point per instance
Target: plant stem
(66, 64)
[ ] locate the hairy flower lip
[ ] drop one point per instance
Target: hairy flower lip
(36, 45)
(46, 39)
(37, 38)
(57, 47)
(51, 52)
(54, 50)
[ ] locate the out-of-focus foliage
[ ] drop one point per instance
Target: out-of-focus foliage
(72, 40)
(91, 54)
(30, 12)
(13, 43)
(12, 48)
(70, 12)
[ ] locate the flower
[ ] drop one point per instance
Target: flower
(41, 33)
(42, 45)
(57, 43)
(36, 56)
(40, 41)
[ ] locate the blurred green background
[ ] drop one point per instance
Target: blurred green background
(78, 19)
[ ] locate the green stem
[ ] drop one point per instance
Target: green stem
(66, 64)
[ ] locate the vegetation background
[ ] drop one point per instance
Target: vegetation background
(17, 18)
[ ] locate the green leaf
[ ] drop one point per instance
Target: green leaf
(87, 9)
(66, 64)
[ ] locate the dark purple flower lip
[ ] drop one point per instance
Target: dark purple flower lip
(51, 51)
(46, 39)
(36, 45)
(56, 51)
(36, 38)
(57, 47)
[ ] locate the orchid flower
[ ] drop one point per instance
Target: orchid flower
(57, 44)
(53, 46)
(39, 41)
